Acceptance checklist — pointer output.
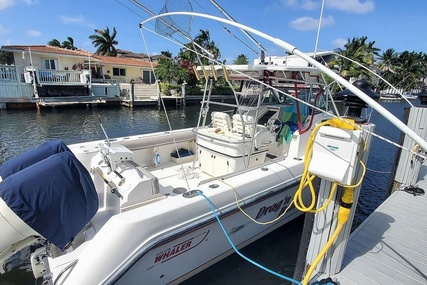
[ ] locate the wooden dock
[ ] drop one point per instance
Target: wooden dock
(390, 246)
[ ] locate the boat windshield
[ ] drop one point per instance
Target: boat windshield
(269, 96)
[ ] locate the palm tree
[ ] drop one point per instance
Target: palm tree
(388, 66)
(404, 70)
(410, 69)
(54, 43)
(105, 42)
(166, 53)
(241, 59)
(359, 51)
(171, 71)
(388, 61)
(69, 44)
(205, 48)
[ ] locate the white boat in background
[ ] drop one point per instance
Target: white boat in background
(397, 96)
(410, 96)
(146, 208)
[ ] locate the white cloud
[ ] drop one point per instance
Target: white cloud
(6, 4)
(33, 33)
(339, 42)
(309, 23)
(71, 20)
(352, 6)
(303, 4)
(79, 19)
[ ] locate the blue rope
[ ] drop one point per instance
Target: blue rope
(237, 251)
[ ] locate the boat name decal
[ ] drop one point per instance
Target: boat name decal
(281, 205)
(180, 248)
(171, 252)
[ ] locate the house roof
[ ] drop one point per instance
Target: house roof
(125, 61)
(126, 53)
(46, 49)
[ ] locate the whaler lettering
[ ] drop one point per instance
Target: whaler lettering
(274, 208)
(171, 252)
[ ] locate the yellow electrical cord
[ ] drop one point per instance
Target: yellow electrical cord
(346, 198)
(343, 214)
(307, 178)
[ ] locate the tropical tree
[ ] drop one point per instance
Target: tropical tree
(201, 50)
(359, 51)
(54, 43)
(104, 42)
(405, 70)
(241, 59)
(388, 60)
(171, 71)
(69, 44)
(166, 53)
(410, 65)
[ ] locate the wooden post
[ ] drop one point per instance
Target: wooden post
(159, 95)
(132, 93)
(183, 92)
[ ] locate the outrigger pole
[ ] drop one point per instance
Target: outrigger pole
(293, 50)
(188, 37)
(262, 49)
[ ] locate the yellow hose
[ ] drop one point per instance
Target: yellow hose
(307, 178)
(346, 199)
(343, 214)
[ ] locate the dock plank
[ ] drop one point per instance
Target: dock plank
(390, 246)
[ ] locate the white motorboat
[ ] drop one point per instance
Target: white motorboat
(147, 208)
(149, 216)
(397, 96)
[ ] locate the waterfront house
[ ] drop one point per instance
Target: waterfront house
(48, 74)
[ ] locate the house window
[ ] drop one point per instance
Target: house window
(119, 71)
(50, 63)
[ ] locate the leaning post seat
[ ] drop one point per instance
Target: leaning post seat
(221, 120)
(56, 197)
(248, 123)
(30, 157)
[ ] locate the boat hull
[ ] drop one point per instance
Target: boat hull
(168, 247)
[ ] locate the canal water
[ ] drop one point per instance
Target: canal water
(21, 130)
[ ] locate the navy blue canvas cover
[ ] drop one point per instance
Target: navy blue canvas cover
(32, 156)
(55, 196)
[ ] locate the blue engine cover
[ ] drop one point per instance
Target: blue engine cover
(55, 196)
(30, 157)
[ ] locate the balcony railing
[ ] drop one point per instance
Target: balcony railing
(50, 76)
(10, 73)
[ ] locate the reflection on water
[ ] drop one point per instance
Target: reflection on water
(21, 130)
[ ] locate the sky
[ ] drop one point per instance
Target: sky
(396, 24)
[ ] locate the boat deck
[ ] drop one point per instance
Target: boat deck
(178, 176)
(390, 246)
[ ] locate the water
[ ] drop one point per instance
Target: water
(21, 130)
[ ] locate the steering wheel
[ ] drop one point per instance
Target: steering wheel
(274, 125)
